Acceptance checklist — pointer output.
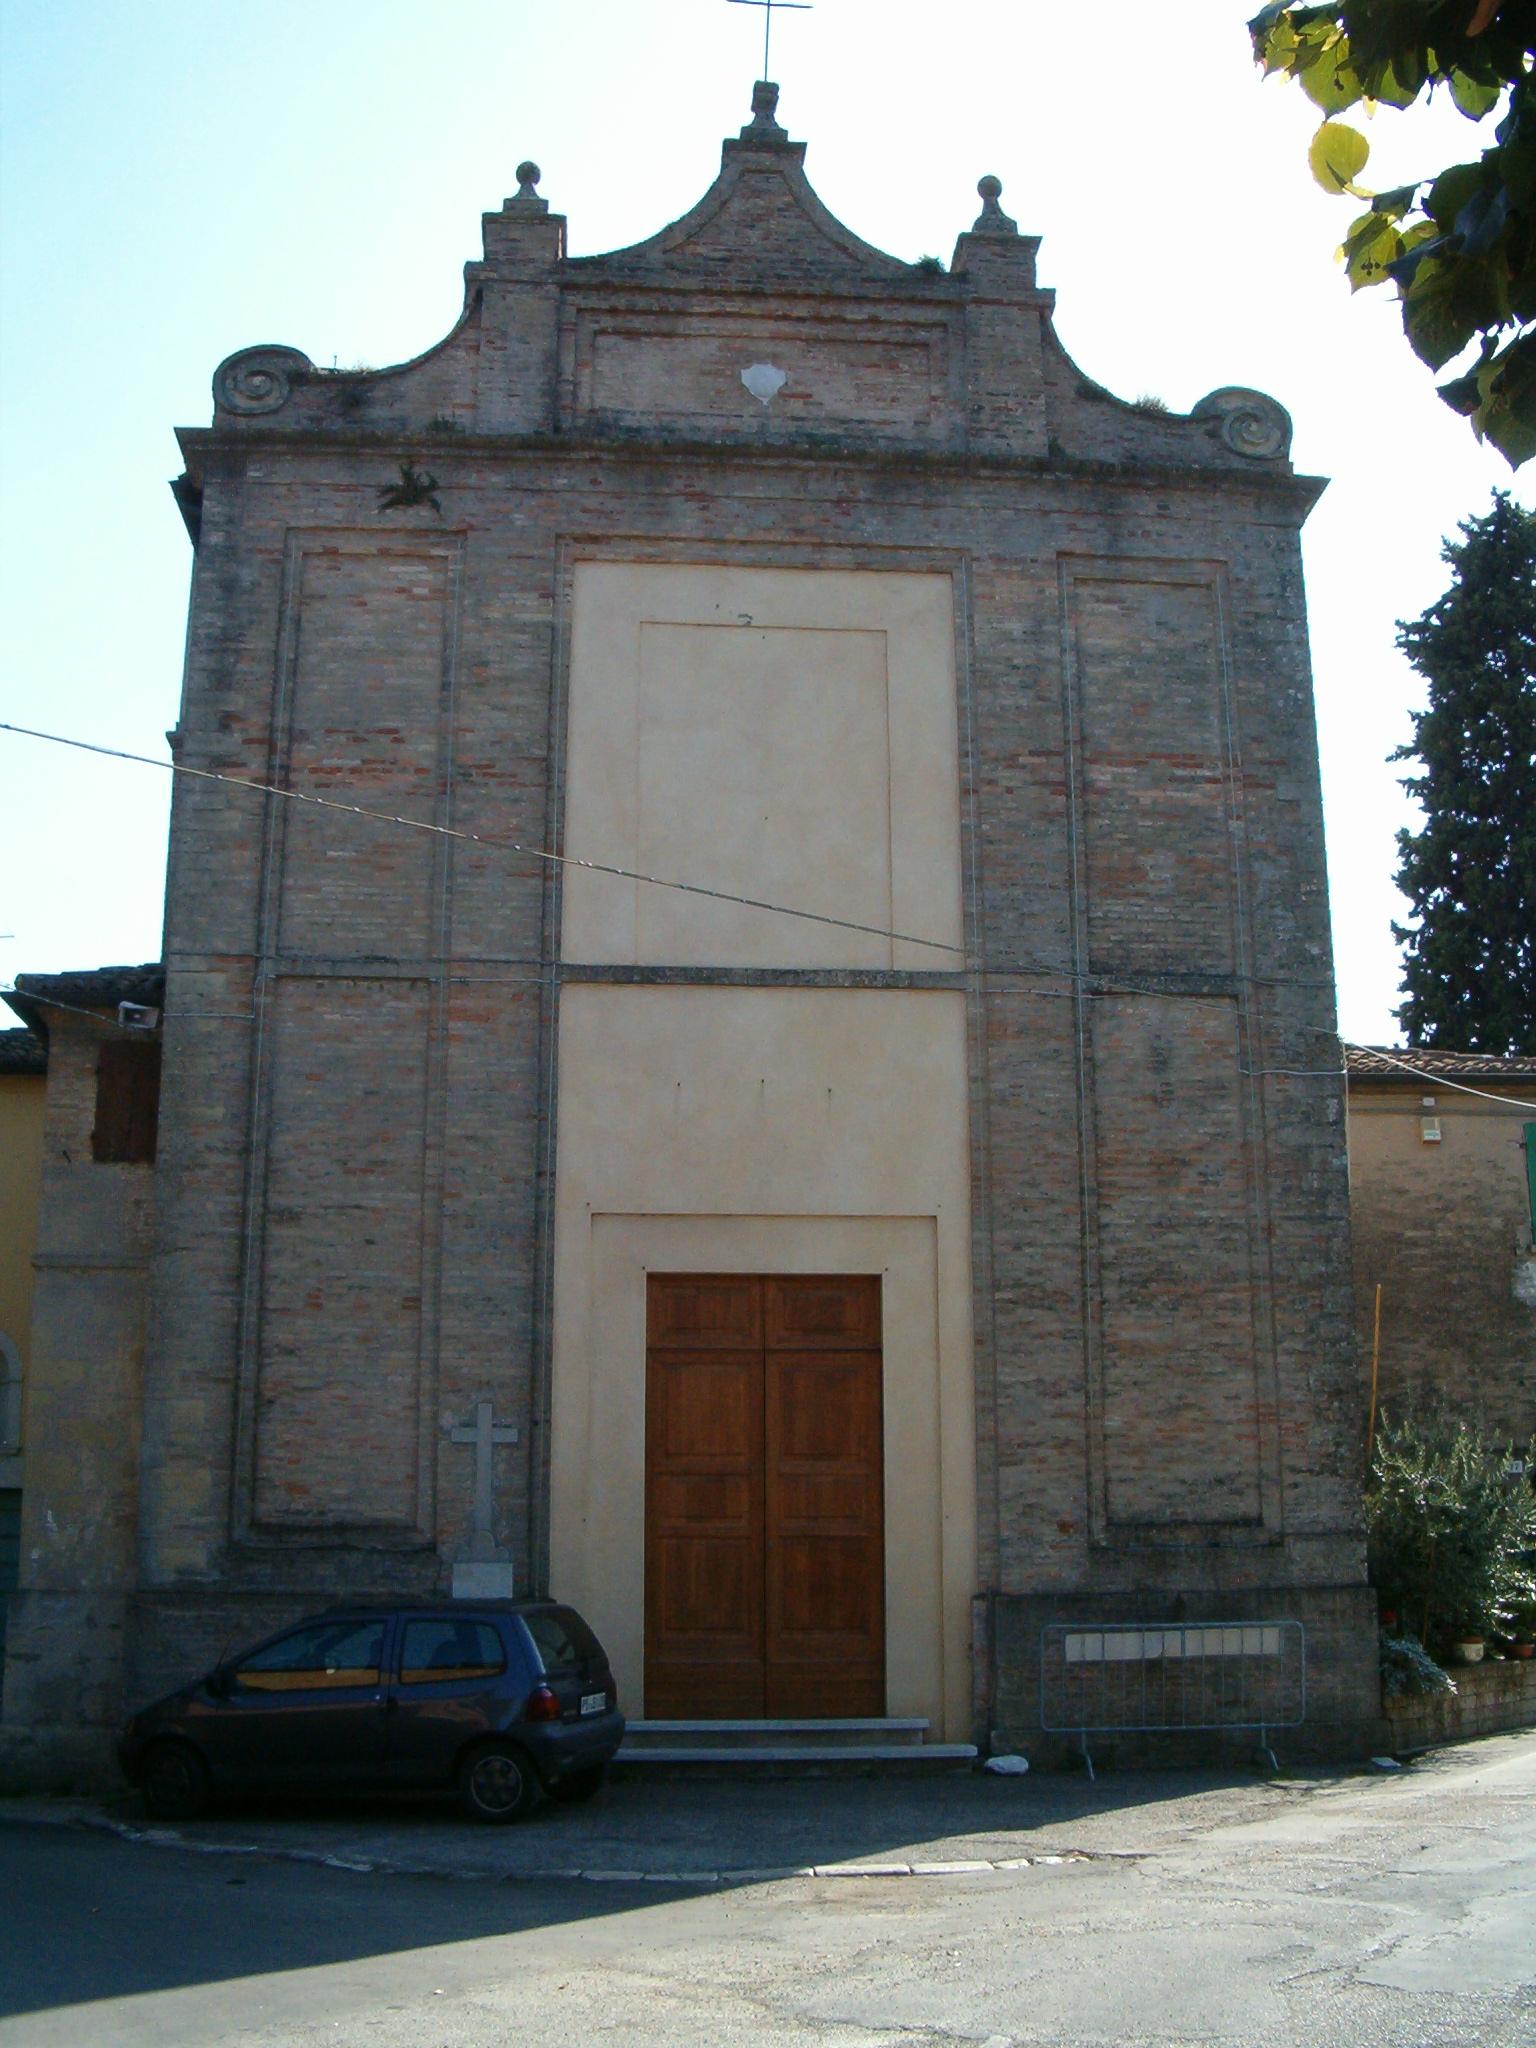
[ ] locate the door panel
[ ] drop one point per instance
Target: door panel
(706, 1421)
(714, 1312)
(704, 1500)
(307, 1709)
(448, 1686)
(804, 1314)
(825, 1592)
(765, 1547)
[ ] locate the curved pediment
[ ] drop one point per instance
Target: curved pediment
(756, 318)
(759, 216)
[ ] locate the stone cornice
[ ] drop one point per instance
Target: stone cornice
(1300, 491)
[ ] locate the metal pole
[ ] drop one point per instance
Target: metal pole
(1370, 1427)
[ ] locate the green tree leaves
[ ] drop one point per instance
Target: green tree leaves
(1448, 1529)
(1460, 246)
(1371, 245)
(1338, 155)
(1470, 872)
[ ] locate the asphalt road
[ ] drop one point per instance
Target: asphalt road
(1397, 1912)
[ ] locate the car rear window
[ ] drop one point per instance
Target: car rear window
(562, 1639)
(432, 1651)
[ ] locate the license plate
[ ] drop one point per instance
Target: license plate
(593, 1702)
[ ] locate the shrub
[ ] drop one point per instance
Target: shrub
(1407, 1667)
(1446, 1526)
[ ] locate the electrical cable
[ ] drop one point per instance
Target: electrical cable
(1039, 994)
(1106, 991)
(600, 867)
(1027, 969)
(72, 1009)
(1439, 1080)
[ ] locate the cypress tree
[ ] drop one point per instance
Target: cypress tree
(1469, 971)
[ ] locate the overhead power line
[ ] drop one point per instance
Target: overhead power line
(1338, 1073)
(1023, 970)
(541, 853)
(1440, 1080)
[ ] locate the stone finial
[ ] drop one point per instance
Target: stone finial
(528, 175)
(992, 220)
(763, 126)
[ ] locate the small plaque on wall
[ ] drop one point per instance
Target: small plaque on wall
(483, 1581)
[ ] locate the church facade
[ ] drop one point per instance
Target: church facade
(800, 1160)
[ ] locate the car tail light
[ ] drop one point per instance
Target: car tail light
(542, 1705)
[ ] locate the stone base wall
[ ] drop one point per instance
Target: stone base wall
(64, 1658)
(63, 1690)
(58, 1762)
(1488, 1697)
(1342, 1710)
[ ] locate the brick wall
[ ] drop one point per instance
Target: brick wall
(358, 1131)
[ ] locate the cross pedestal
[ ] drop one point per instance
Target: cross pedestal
(486, 1573)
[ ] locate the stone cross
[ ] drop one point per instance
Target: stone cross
(484, 1433)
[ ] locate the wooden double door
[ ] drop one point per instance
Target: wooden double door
(765, 1524)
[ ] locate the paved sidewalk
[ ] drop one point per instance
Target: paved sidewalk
(711, 1831)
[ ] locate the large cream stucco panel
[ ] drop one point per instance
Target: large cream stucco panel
(788, 735)
(752, 1130)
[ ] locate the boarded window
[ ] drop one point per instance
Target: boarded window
(127, 1102)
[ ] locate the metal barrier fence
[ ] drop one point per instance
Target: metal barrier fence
(1159, 1677)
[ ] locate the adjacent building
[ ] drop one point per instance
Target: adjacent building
(1442, 1184)
(23, 1070)
(80, 1184)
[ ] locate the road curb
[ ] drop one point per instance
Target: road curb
(692, 1879)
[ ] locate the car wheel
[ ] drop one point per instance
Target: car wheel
(174, 1781)
(497, 1783)
(579, 1786)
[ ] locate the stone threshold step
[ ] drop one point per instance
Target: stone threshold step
(798, 1753)
(885, 1729)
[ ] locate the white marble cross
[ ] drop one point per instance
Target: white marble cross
(484, 1433)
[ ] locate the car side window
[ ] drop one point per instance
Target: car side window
(323, 1654)
(432, 1651)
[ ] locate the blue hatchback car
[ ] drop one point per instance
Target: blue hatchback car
(502, 1700)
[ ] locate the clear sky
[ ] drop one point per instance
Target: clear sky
(181, 180)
